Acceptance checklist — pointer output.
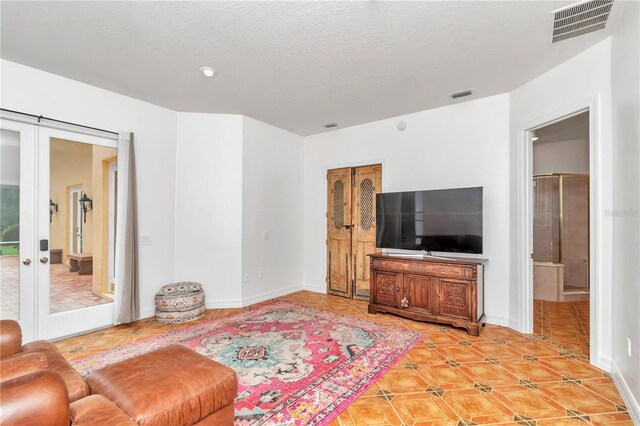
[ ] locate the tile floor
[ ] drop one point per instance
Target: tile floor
(564, 323)
(449, 378)
(69, 290)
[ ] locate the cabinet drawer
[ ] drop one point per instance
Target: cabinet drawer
(424, 268)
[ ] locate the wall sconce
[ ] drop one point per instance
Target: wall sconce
(87, 205)
(53, 208)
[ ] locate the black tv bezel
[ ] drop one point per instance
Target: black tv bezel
(437, 251)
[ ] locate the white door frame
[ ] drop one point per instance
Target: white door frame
(599, 266)
(75, 216)
(28, 241)
(113, 168)
(52, 326)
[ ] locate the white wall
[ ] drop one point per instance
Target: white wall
(272, 186)
(33, 91)
(581, 80)
(208, 217)
(625, 60)
(570, 156)
(461, 145)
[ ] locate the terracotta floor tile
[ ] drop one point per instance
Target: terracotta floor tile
(604, 387)
(423, 355)
(528, 402)
(424, 409)
(536, 349)
(370, 412)
(489, 374)
(496, 350)
(572, 368)
(460, 353)
(618, 419)
(532, 371)
(445, 377)
(478, 406)
(577, 398)
(401, 379)
(441, 338)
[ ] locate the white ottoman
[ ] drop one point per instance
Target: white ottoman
(180, 302)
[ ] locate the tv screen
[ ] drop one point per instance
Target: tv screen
(445, 220)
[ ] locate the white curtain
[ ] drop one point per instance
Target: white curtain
(127, 292)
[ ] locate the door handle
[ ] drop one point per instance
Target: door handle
(348, 226)
(44, 260)
(26, 262)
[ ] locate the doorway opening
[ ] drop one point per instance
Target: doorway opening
(351, 228)
(561, 226)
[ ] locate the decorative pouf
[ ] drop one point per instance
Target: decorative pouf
(180, 302)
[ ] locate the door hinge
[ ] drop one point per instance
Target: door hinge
(531, 255)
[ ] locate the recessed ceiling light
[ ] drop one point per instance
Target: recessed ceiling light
(208, 71)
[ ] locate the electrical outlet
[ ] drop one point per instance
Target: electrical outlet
(260, 275)
(146, 240)
(629, 347)
(246, 278)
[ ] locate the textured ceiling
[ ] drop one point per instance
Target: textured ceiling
(295, 65)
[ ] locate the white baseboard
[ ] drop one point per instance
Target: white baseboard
(315, 288)
(147, 312)
(246, 301)
(630, 402)
(603, 363)
(223, 303)
(498, 321)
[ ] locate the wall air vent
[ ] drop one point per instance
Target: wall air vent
(461, 94)
(330, 125)
(580, 18)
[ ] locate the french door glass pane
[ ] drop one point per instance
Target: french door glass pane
(80, 226)
(9, 224)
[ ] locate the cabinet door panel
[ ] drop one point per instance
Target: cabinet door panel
(387, 288)
(418, 292)
(454, 298)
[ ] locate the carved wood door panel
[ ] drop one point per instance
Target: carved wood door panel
(388, 288)
(454, 298)
(367, 183)
(339, 232)
(351, 228)
(419, 292)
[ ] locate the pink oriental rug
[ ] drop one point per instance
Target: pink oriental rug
(296, 365)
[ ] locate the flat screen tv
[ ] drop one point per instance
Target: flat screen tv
(443, 220)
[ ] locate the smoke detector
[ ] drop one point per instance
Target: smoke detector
(580, 18)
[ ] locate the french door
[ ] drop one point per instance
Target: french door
(351, 228)
(18, 260)
(60, 268)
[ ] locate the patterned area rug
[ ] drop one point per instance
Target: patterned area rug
(295, 364)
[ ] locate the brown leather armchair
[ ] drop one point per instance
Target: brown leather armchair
(17, 360)
(35, 380)
(35, 387)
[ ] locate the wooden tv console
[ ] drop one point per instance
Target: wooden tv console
(428, 289)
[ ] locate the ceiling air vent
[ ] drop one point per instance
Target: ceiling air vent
(461, 94)
(330, 125)
(581, 18)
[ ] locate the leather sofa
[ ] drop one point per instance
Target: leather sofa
(170, 386)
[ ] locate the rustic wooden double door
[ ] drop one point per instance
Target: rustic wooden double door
(351, 228)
